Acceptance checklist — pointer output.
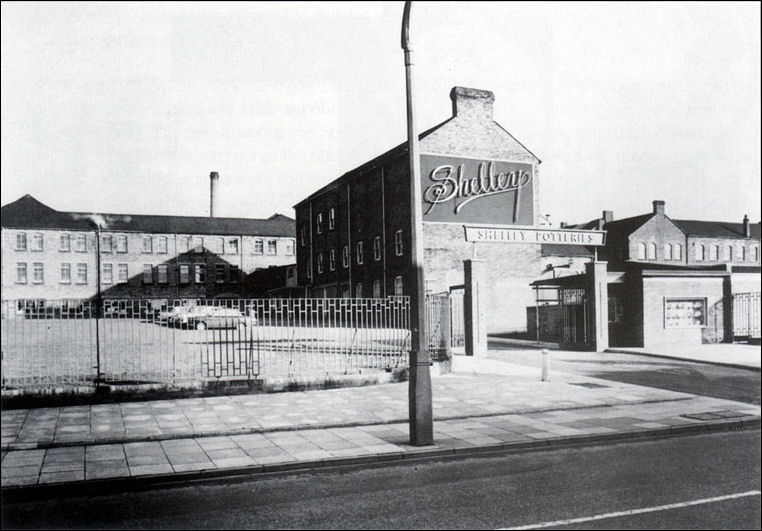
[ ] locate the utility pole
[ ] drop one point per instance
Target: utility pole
(419, 383)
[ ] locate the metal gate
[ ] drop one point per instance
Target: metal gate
(438, 325)
(457, 324)
(573, 302)
(746, 314)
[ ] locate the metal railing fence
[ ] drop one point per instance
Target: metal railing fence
(73, 343)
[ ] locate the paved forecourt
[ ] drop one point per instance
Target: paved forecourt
(176, 439)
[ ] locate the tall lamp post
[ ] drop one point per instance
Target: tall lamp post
(98, 301)
(419, 383)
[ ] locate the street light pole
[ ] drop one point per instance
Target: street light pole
(419, 384)
(98, 304)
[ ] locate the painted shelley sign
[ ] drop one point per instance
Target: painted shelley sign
(462, 190)
(534, 235)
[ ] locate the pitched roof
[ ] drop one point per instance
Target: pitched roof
(365, 166)
(395, 151)
(716, 229)
(28, 213)
(627, 226)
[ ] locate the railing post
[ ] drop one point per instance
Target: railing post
(446, 327)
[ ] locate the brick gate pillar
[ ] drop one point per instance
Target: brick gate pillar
(596, 284)
(727, 306)
(474, 304)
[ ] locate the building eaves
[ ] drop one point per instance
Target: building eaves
(29, 213)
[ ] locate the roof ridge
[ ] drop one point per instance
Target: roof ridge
(83, 213)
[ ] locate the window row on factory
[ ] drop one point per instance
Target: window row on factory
(120, 273)
(359, 254)
(701, 252)
(154, 244)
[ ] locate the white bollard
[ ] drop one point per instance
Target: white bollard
(545, 365)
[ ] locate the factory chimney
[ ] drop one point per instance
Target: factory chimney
(214, 179)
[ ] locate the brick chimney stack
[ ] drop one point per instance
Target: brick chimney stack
(214, 179)
(659, 207)
(746, 226)
(606, 217)
(473, 102)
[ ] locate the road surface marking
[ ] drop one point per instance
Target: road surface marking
(639, 511)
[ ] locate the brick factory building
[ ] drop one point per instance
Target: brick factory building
(49, 254)
(353, 235)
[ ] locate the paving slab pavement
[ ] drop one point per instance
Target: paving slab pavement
(739, 355)
(509, 409)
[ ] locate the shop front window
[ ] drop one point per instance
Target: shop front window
(681, 313)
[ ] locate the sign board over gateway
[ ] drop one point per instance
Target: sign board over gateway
(535, 235)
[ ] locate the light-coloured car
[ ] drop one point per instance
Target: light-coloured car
(219, 318)
(168, 316)
(183, 318)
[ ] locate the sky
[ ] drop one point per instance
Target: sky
(127, 107)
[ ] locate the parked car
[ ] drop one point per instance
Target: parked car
(183, 316)
(218, 318)
(170, 314)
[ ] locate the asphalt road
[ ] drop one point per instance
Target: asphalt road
(742, 385)
(708, 481)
